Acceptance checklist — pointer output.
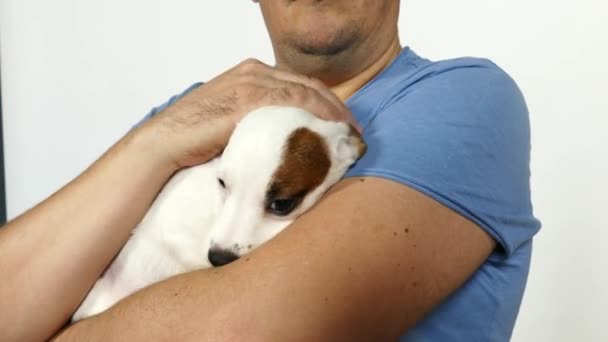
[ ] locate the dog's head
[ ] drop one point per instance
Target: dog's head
(277, 164)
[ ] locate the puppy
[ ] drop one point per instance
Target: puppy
(277, 164)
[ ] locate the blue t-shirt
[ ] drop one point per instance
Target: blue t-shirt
(457, 131)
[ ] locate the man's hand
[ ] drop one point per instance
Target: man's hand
(198, 126)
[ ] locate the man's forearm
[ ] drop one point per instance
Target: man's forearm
(53, 253)
(151, 313)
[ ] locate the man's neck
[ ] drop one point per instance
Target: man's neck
(345, 89)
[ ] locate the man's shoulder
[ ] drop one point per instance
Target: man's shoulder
(427, 66)
(417, 89)
(466, 73)
(415, 80)
(469, 73)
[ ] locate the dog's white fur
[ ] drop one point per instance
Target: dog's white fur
(193, 211)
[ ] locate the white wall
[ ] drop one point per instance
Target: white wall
(77, 74)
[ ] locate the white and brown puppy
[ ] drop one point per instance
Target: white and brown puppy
(278, 162)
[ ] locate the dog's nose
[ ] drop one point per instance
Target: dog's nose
(220, 257)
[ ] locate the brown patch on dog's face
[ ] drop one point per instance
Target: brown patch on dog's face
(356, 139)
(305, 164)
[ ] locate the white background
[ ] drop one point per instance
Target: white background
(77, 74)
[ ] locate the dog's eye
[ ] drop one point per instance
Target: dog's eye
(282, 207)
(221, 181)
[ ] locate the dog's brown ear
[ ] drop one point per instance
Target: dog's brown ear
(355, 139)
(305, 163)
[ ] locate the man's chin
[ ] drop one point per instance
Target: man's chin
(323, 44)
(320, 50)
(306, 2)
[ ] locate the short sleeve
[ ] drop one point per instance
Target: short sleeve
(462, 137)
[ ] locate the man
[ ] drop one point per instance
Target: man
(428, 237)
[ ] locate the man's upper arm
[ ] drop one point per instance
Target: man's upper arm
(369, 261)
(461, 136)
